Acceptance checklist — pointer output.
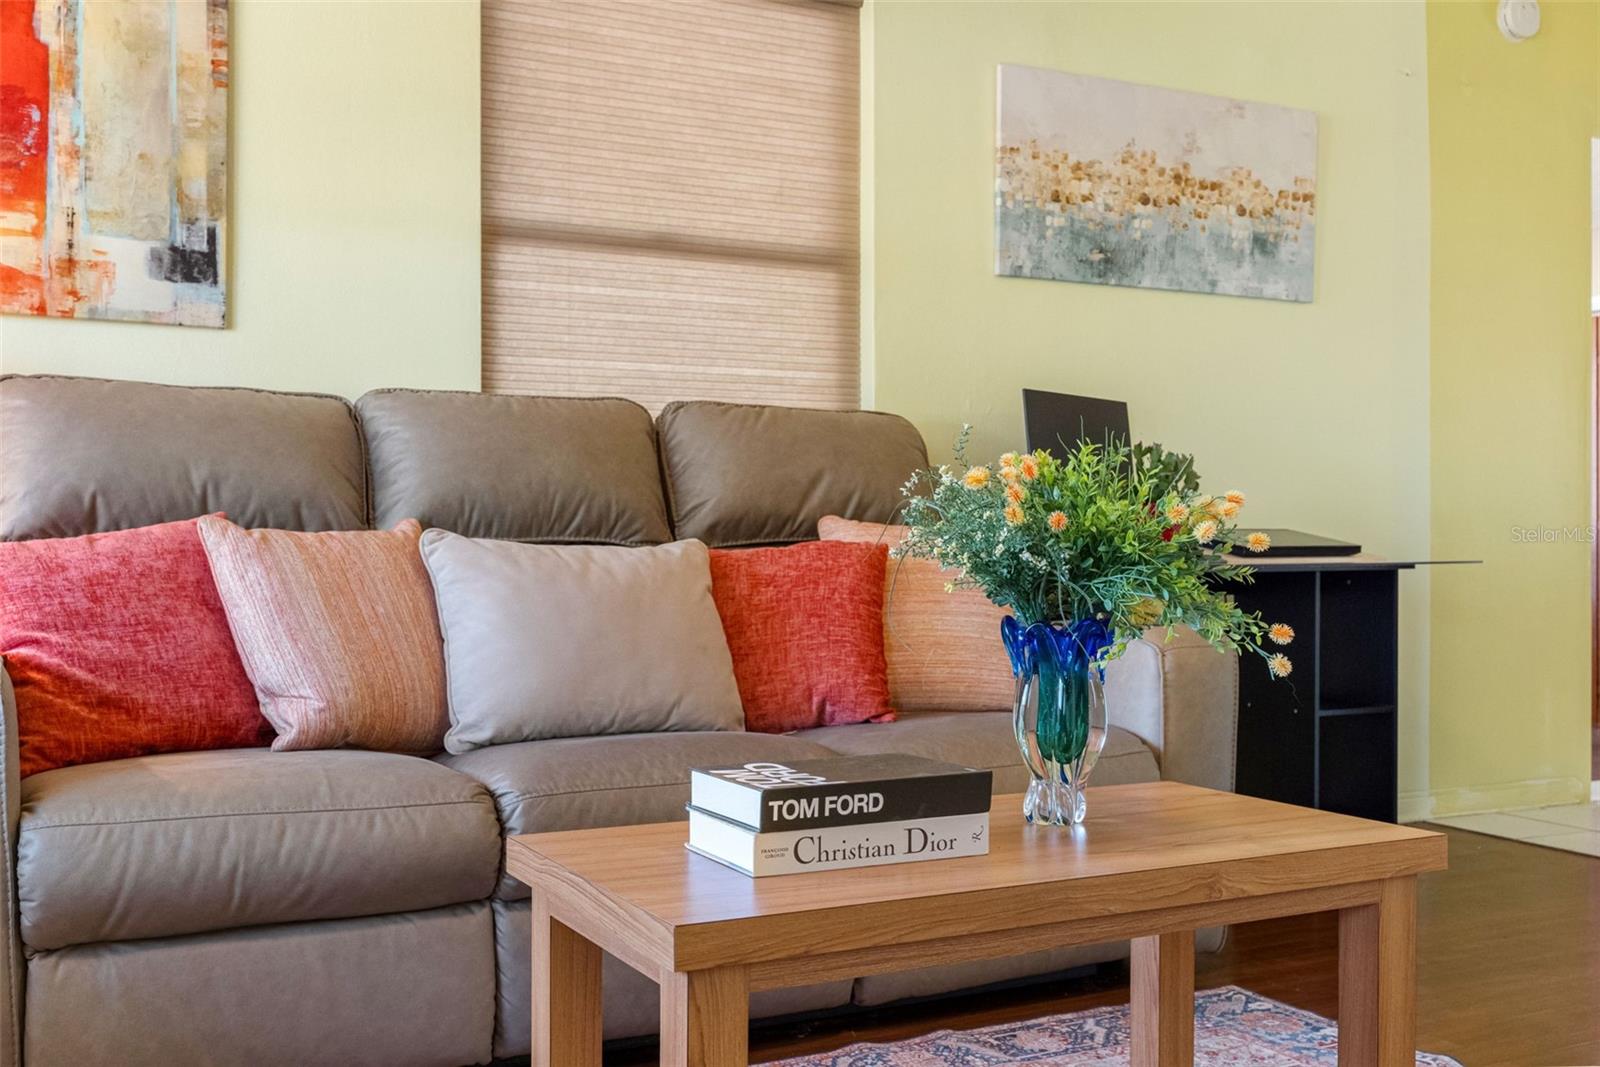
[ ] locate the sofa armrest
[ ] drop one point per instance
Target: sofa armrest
(11, 969)
(1181, 697)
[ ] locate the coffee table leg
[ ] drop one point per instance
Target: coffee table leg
(705, 1019)
(566, 994)
(1162, 1000)
(1378, 979)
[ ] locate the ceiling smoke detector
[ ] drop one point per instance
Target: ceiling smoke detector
(1518, 19)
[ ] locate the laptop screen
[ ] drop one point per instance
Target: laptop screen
(1058, 421)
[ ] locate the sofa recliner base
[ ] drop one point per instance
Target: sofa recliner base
(414, 988)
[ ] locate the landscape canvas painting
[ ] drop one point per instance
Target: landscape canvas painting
(113, 154)
(1121, 184)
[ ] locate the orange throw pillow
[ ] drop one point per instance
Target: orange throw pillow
(805, 626)
(338, 633)
(944, 649)
(117, 646)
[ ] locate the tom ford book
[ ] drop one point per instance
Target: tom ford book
(836, 847)
(840, 791)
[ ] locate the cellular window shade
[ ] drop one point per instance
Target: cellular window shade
(670, 200)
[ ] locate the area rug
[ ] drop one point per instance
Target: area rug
(1233, 1027)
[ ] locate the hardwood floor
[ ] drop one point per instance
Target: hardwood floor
(1508, 972)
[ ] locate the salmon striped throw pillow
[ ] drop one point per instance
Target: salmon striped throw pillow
(337, 632)
(943, 647)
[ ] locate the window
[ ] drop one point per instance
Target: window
(671, 201)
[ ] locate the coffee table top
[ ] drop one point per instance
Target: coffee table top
(1147, 846)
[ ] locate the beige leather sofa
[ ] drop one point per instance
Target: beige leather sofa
(345, 907)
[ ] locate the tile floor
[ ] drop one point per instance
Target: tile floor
(1573, 827)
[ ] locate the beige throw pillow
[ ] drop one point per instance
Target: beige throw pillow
(577, 640)
(337, 632)
(944, 649)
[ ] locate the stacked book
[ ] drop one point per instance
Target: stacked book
(848, 811)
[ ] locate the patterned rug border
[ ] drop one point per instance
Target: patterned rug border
(1315, 1038)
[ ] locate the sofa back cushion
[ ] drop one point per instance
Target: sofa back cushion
(85, 455)
(744, 474)
(337, 631)
(546, 641)
(117, 646)
(518, 468)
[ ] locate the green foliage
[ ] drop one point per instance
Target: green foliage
(1113, 532)
(1166, 472)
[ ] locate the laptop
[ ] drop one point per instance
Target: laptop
(1059, 421)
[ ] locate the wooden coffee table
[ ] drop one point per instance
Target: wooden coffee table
(1153, 863)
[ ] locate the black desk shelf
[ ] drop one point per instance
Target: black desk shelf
(1375, 709)
(1328, 736)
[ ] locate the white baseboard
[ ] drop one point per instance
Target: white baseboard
(1503, 796)
(1415, 807)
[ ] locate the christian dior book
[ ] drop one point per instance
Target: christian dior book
(834, 848)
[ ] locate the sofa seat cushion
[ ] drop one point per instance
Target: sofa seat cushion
(572, 783)
(981, 739)
(196, 841)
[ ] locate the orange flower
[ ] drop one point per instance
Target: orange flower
(1008, 460)
(1014, 514)
(1177, 512)
(1205, 532)
(976, 478)
(1146, 612)
(1234, 497)
(1016, 494)
(1279, 666)
(1281, 633)
(1028, 467)
(1229, 509)
(1258, 542)
(1057, 521)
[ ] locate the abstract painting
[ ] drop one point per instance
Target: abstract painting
(1120, 184)
(113, 154)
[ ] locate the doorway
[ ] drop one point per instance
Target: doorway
(1594, 466)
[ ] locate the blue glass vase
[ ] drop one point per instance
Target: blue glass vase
(1060, 712)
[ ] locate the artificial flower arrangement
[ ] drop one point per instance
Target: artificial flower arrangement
(1088, 551)
(1115, 533)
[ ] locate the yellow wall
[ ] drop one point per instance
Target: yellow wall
(1319, 411)
(353, 175)
(1509, 128)
(355, 263)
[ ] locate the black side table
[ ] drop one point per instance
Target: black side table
(1328, 736)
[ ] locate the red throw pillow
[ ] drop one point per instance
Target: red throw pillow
(805, 627)
(117, 646)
